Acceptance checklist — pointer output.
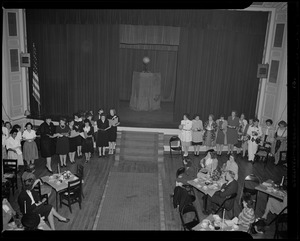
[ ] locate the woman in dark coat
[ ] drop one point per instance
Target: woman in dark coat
(88, 143)
(102, 138)
(114, 121)
(46, 130)
(78, 125)
(29, 202)
(62, 143)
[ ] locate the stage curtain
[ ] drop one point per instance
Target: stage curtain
(241, 21)
(163, 62)
(78, 66)
(216, 72)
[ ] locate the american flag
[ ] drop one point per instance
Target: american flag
(35, 77)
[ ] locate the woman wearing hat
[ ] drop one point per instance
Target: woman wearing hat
(29, 202)
(254, 132)
(280, 141)
(29, 174)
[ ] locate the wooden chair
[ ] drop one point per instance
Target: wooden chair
(79, 173)
(227, 205)
(281, 225)
(254, 181)
(10, 171)
(262, 154)
(37, 188)
(72, 194)
(175, 145)
(5, 189)
(188, 223)
(282, 158)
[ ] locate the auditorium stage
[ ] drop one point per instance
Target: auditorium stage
(162, 118)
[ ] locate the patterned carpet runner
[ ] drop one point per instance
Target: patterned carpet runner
(133, 196)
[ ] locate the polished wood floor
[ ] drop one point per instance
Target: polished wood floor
(97, 171)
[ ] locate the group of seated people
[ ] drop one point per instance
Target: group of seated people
(227, 175)
(234, 132)
(33, 209)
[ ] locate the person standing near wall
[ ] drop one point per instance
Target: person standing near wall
(210, 129)
(46, 130)
(186, 133)
(221, 139)
(30, 148)
(255, 134)
(232, 133)
(197, 134)
(114, 121)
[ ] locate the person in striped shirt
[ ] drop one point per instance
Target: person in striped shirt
(247, 216)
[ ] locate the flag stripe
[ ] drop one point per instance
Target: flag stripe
(35, 77)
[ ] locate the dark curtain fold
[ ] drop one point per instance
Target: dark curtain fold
(204, 19)
(78, 66)
(163, 62)
(216, 72)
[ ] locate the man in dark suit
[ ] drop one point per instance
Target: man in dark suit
(228, 188)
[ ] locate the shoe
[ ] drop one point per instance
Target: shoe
(65, 165)
(49, 170)
(64, 221)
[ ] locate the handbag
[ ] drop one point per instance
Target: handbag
(277, 145)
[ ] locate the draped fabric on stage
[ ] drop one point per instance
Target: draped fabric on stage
(163, 62)
(82, 65)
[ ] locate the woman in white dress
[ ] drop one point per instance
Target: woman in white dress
(254, 132)
(197, 134)
(30, 148)
(186, 133)
(13, 147)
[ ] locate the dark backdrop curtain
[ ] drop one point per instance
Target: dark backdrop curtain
(78, 53)
(216, 72)
(78, 66)
(163, 62)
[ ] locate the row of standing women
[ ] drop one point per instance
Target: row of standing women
(78, 134)
(234, 132)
